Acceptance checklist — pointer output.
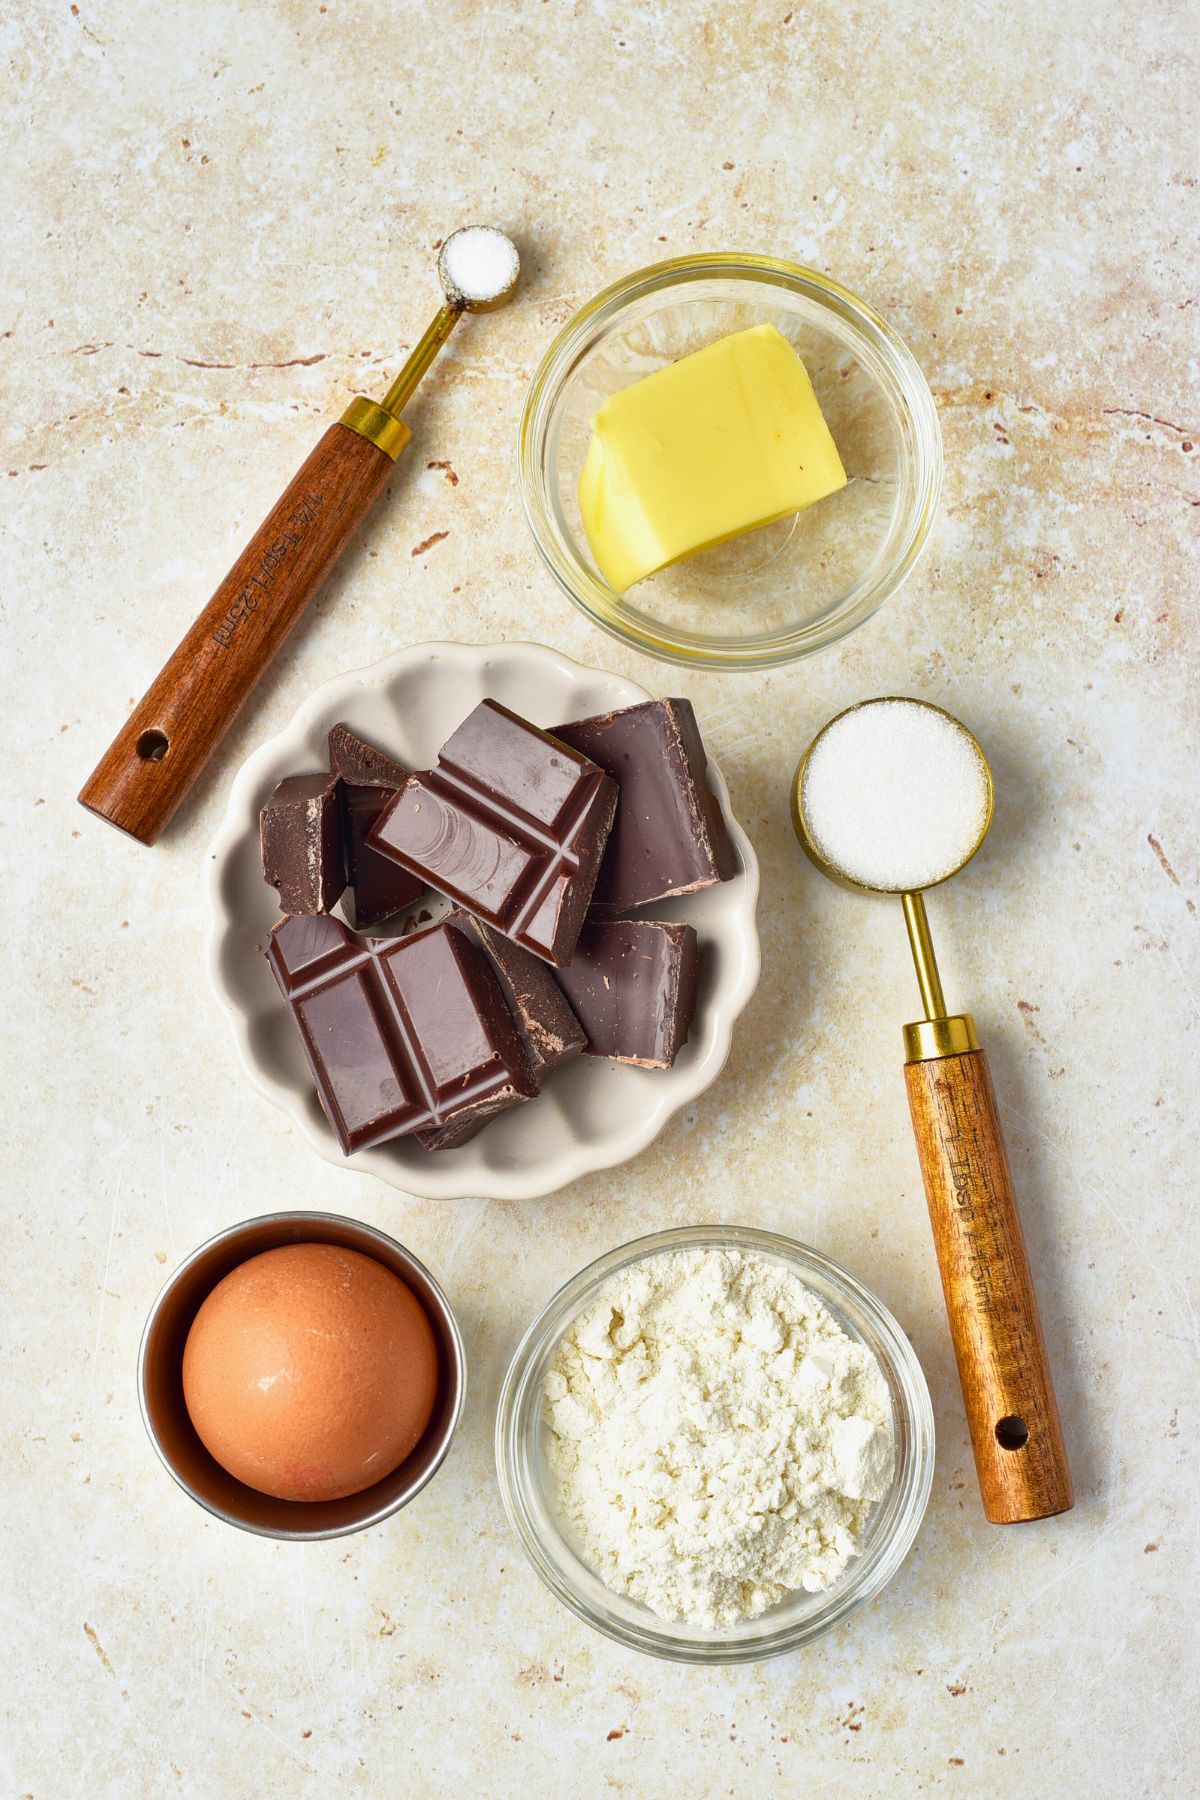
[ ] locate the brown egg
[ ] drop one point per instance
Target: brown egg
(310, 1372)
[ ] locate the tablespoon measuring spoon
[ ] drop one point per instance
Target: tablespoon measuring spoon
(893, 796)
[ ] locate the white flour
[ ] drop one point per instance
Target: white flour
(716, 1439)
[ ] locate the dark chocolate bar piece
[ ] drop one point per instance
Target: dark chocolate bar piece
(402, 1035)
(670, 835)
(632, 985)
(299, 833)
(366, 780)
(549, 1029)
(511, 825)
(351, 758)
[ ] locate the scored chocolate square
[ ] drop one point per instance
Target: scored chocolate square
(402, 1035)
(510, 825)
(670, 835)
(366, 779)
(632, 985)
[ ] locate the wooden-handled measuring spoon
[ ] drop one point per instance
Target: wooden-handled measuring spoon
(160, 750)
(895, 796)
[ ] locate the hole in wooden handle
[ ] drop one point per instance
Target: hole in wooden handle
(1012, 1433)
(152, 745)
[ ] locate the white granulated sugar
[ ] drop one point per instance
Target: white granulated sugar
(895, 795)
(715, 1439)
(479, 262)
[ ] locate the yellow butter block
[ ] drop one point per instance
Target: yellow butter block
(718, 443)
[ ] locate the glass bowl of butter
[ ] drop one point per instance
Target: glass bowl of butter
(729, 461)
(635, 1505)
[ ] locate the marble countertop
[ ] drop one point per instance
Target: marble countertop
(219, 226)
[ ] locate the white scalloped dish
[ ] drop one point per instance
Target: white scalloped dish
(591, 1114)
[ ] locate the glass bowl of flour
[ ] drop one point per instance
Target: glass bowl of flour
(714, 1444)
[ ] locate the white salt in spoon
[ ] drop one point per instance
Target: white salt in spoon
(894, 796)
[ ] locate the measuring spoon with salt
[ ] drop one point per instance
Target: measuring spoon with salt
(156, 756)
(894, 796)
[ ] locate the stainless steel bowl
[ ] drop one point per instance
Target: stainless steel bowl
(160, 1381)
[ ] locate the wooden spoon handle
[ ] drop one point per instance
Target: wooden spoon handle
(158, 753)
(1011, 1411)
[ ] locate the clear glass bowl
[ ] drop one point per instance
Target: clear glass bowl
(790, 588)
(526, 1487)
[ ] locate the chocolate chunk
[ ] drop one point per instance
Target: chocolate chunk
(402, 1035)
(366, 780)
(549, 1029)
(632, 985)
(510, 825)
(352, 759)
(300, 837)
(670, 835)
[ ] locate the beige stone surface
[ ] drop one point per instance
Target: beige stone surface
(219, 223)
